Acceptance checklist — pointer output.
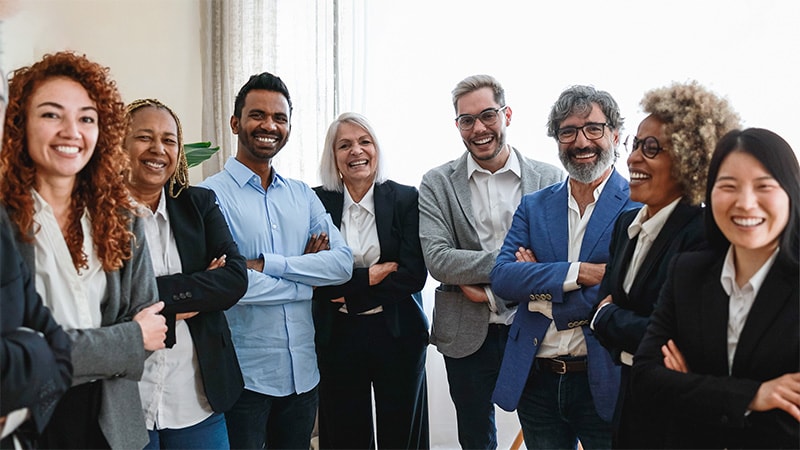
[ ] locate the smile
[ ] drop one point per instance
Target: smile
(68, 150)
(360, 162)
(748, 221)
(154, 164)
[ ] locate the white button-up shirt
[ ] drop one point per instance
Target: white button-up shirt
(495, 197)
(171, 387)
(73, 297)
(360, 232)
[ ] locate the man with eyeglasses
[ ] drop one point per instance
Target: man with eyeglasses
(557, 376)
(466, 207)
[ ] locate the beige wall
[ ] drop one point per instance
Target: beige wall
(151, 46)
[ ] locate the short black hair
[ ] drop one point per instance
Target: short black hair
(264, 81)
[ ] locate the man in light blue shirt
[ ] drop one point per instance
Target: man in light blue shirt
(292, 246)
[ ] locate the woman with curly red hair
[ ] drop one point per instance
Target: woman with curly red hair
(61, 183)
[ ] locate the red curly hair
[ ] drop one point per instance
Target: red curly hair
(99, 187)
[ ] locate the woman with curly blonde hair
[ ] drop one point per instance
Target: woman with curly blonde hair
(61, 183)
(668, 162)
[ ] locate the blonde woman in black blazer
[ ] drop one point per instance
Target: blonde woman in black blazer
(721, 356)
(371, 332)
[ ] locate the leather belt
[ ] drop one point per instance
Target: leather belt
(561, 366)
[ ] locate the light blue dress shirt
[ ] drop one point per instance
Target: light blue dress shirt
(272, 327)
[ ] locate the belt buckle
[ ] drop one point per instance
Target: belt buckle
(560, 370)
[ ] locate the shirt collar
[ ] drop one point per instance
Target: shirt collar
(597, 191)
(242, 174)
(728, 276)
(512, 164)
(368, 202)
(652, 225)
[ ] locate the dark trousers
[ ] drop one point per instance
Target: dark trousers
(556, 411)
(362, 357)
(472, 379)
(263, 421)
(74, 423)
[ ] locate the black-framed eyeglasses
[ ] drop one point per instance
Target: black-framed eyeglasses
(650, 146)
(591, 131)
(488, 117)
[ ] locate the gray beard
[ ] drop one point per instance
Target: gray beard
(586, 173)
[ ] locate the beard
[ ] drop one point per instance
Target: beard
(587, 172)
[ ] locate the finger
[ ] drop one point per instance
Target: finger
(156, 307)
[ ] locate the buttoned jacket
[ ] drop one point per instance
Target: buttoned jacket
(541, 224)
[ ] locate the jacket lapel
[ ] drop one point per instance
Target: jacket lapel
(384, 199)
(461, 188)
(713, 317)
(682, 214)
(606, 210)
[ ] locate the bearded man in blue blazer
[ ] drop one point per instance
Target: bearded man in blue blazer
(557, 376)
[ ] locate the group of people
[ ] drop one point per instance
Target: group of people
(141, 312)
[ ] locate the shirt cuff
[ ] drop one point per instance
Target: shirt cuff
(490, 295)
(571, 282)
(597, 313)
(274, 265)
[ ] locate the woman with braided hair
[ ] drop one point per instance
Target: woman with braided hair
(187, 387)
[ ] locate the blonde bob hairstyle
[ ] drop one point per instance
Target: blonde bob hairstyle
(695, 119)
(328, 172)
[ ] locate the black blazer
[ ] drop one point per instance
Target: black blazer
(707, 406)
(397, 221)
(201, 235)
(621, 325)
(35, 369)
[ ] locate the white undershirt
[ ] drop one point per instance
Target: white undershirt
(171, 387)
(741, 298)
(647, 228)
(568, 342)
(74, 298)
(360, 232)
(495, 198)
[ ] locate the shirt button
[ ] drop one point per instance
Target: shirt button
(274, 226)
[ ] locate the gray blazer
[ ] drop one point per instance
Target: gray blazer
(114, 353)
(453, 253)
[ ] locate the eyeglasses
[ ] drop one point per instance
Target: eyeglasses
(592, 131)
(488, 117)
(650, 146)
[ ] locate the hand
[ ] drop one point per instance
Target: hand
(337, 300)
(217, 263)
(256, 264)
(379, 272)
(525, 255)
(153, 325)
(605, 301)
(317, 243)
(186, 315)
(673, 358)
(474, 292)
(590, 274)
(779, 393)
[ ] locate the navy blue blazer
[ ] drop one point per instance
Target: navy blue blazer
(620, 326)
(201, 234)
(541, 224)
(707, 407)
(35, 369)
(397, 221)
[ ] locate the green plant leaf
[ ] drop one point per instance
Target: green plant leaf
(197, 152)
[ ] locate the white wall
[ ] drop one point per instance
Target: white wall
(152, 47)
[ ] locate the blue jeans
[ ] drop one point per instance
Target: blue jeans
(557, 410)
(263, 421)
(472, 379)
(208, 434)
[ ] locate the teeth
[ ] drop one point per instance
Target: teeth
(748, 221)
(67, 149)
(483, 141)
(266, 139)
(584, 155)
(639, 176)
(362, 162)
(154, 164)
